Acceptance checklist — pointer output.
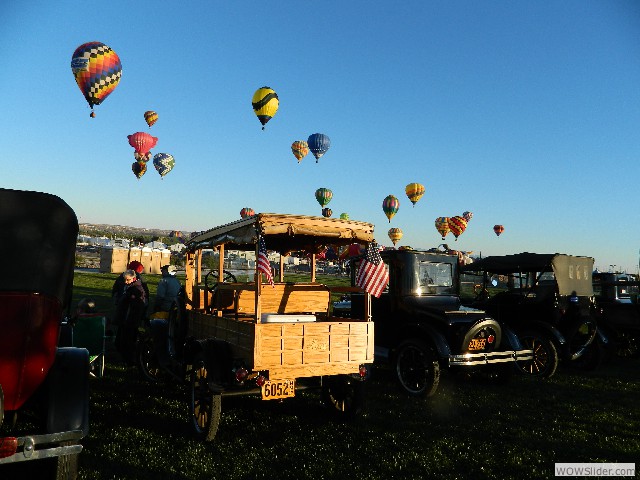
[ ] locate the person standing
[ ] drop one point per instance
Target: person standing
(118, 288)
(129, 316)
(168, 289)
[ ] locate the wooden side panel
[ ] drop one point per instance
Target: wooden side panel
(238, 333)
(312, 349)
(286, 298)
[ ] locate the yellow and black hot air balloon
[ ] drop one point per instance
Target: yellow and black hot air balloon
(414, 191)
(265, 104)
(395, 234)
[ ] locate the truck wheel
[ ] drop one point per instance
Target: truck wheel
(344, 395)
(545, 355)
(205, 405)
(146, 360)
(417, 368)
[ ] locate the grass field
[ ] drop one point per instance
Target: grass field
(469, 429)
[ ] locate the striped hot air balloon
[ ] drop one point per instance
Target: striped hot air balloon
(390, 206)
(247, 212)
(414, 191)
(442, 226)
(327, 212)
(150, 117)
(457, 225)
(265, 104)
(323, 196)
(300, 149)
(395, 234)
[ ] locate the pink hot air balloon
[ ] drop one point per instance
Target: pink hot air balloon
(142, 143)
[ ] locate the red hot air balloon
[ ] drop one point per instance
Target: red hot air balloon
(457, 225)
(247, 212)
(142, 143)
(498, 229)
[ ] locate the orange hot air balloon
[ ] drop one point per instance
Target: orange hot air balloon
(395, 234)
(300, 148)
(442, 226)
(457, 225)
(498, 229)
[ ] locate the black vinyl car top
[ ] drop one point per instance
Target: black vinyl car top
(38, 235)
(505, 264)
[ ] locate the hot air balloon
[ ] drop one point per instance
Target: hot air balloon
(139, 168)
(175, 233)
(498, 229)
(299, 149)
(318, 143)
(97, 70)
(323, 196)
(344, 216)
(442, 226)
(150, 117)
(467, 216)
(327, 212)
(142, 142)
(395, 234)
(265, 104)
(414, 191)
(247, 212)
(457, 225)
(390, 205)
(164, 163)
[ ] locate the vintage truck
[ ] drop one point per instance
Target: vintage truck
(421, 327)
(265, 339)
(619, 311)
(38, 234)
(547, 299)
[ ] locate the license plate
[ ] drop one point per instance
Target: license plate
(477, 343)
(275, 389)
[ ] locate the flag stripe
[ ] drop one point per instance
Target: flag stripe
(263, 261)
(372, 275)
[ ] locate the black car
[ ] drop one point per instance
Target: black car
(619, 311)
(547, 299)
(422, 328)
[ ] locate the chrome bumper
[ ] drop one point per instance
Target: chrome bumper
(489, 358)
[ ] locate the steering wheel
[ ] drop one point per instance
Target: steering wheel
(210, 286)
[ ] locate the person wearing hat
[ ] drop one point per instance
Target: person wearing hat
(119, 285)
(168, 289)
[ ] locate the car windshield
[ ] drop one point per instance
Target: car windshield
(435, 274)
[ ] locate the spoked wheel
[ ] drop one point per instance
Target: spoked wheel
(417, 368)
(146, 359)
(628, 345)
(545, 355)
(205, 405)
(344, 395)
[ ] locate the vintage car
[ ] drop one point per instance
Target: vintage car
(619, 311)
(546, 298)
(253, 337)
(38, 234)
(421, 327)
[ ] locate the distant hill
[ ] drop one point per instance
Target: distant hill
(94, 229)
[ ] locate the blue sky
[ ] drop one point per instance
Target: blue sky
(524, 113)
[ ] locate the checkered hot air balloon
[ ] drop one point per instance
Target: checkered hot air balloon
(442, 226)
(164, 163)
(265, 104)
(457, 225)
(414, 191)
(97, 70)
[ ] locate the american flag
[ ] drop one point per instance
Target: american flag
(372, 276)
(263, 261)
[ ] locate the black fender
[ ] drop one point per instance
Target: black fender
(426, 331)
(510, 339)
(217, 358)
(67, 391)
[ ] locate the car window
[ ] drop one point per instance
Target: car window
(435, 277)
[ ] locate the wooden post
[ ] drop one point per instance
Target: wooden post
(221, 263)
(313, 268)
(281, 268)
(258, 281)
(190, 283)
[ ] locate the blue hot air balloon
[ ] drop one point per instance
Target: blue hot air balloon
(318, 143)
